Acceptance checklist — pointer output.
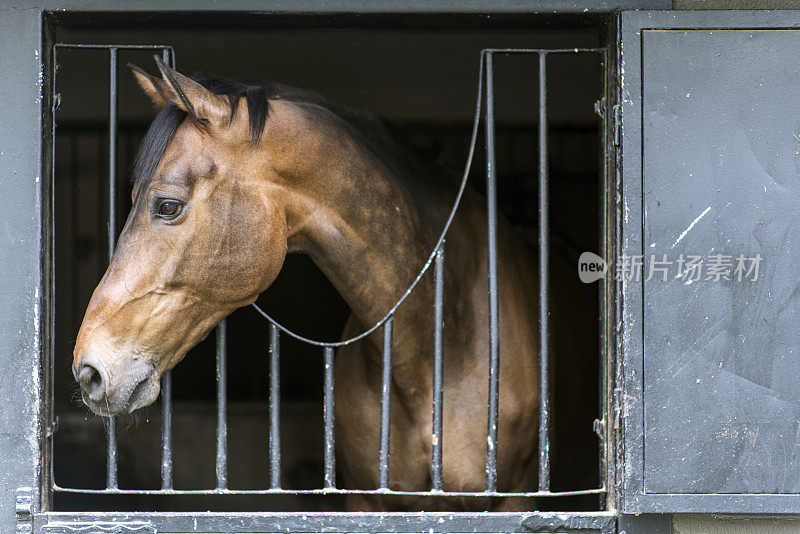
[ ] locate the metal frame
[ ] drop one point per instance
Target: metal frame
(486, 76)
(345, 6)
(429, 522)
(25, 334)
(630, 403)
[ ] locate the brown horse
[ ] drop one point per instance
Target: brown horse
(230, 178)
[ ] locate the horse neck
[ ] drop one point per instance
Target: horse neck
(360, 222)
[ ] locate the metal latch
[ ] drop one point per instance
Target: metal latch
(99, 527)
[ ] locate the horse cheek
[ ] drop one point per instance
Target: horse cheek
(254, 247)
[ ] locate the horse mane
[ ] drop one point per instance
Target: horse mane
(374, 131)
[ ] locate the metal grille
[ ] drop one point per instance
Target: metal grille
(485, 103)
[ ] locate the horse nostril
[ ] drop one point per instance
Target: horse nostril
(92, 382)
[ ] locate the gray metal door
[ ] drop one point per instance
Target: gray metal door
(708, 257)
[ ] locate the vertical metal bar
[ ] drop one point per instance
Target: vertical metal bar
(544, 279)
(386, 405)
(438, 379)
(49, 481)
(494, 311)
(222, 417)
(112, 152)
(166, 55)
(274, 407)
(166, 388)
(330, 460)
(111, 459)
(166, 431)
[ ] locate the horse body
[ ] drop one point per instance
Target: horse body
(465, 345)
(214, 216)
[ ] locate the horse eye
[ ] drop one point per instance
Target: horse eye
(169, 209)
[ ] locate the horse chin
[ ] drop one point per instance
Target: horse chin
(144, 394)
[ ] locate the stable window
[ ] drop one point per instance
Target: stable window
(245, 422)
(693, 384)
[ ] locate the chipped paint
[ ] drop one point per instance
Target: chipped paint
(689, 228)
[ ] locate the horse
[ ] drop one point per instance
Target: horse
(230, 178)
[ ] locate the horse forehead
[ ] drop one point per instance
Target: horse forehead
(187, 154)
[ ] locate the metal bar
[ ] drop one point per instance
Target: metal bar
(111, 234)
(112, 152)
(494, 310)
(438, 380)
(222, 420)
(386, 405)
(274, 407)
(111, 457)
(330, 459)
(544, 279)
(331, 491)
(52, 421)
(116, 46)
(166, 430)
(168, 56)
(166, 384)
(511, 51)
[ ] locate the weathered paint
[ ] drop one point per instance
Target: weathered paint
(708, 118)
(21, 243)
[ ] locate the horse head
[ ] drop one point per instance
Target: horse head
(205, 236)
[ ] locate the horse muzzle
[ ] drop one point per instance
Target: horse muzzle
(119, 388)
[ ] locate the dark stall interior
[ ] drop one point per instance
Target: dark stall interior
(422, 76)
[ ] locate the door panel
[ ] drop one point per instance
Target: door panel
(713, 364)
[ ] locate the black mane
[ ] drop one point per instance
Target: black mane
(161, 131)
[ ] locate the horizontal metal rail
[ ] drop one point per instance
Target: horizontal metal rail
(334, 522)
(116, 46)
(512, 51)
(331, 491)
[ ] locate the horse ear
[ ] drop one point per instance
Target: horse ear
(193, 98)
(156, 88)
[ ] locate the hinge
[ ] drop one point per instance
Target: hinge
(99, 527)
(617, 113)
(24, 510)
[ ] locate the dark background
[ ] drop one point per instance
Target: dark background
(423, 78)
